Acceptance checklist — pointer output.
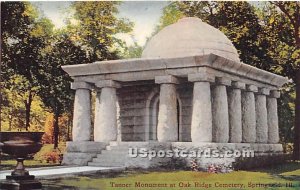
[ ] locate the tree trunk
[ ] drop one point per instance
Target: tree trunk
(68, 130)
(27, 110)
(56, 128)
(10, 117)
(297, 119)
(0, 105)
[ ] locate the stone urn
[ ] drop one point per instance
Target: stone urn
(20, 145)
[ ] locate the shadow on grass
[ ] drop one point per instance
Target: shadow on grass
(55, 185)
(278, 170)
(11, 167)
(288, 166)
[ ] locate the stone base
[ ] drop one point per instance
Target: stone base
(85, 146)
(263, 155)
(20, 183)
(117, 154)
(80, 153)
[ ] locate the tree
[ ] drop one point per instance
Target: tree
(291, 12)
(55, 83)
(97, 27)
(12, 14)
(24, 36)
(240, 23)
(133, 51)
(64, 123)
(170, 15)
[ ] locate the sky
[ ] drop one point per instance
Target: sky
(145, 15)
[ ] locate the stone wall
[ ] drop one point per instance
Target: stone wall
(185, 93)
(132, 101)
(138, 104)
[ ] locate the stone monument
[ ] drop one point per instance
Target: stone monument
(188, 91)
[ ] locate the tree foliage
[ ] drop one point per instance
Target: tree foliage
(133, 51)
(237, 20)
(23, 38)
(14, 109)
(97, 25)
(54, 82)
(291, 12)
(33, 82)
(64, 126)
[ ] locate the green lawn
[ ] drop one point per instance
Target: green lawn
(10, 164)
(276, 176)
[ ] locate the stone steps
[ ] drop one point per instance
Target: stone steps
(79, 154)
(77, 158)
(115, 155)
(109, 159)
(108, 164)
(125, 146)
(112, 153)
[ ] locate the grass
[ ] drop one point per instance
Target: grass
(10, 164)
(277, 175)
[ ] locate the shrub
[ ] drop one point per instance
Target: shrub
(221, 168)
(50, 155)
(53, 157)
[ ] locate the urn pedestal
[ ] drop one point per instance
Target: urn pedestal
(20, 145)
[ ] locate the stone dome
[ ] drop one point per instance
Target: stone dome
(189, 37)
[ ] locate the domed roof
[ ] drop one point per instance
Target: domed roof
(189, 37)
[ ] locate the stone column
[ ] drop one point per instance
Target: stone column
(105, 124)
(82, 112)
(235, 112)
(248, 114)
(201, 127)
(261, 116)
(273, 133)
(167, 114)
(220, 111)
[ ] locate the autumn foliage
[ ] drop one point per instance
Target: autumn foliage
(64, 123)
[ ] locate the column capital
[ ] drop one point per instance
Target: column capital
(80, 85)
(167, 79)
(251, 88)
(237, 84)
(263, 91)
(274, 94)
(223, 81)
(201, 77)
(107, 83)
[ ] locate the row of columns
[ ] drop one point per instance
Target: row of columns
(236, 112)
(232, 112)
(105, 123)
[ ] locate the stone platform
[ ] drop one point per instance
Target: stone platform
(116, 154)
